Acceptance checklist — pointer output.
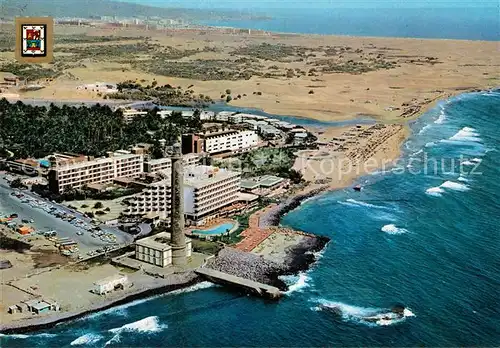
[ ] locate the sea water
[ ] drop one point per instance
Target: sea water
(480, 23)
(426, 239)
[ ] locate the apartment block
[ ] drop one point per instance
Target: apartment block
(155, 202)
(155, 165)
(221, 141)
(165, 164)
(206, 190)
(74, 172)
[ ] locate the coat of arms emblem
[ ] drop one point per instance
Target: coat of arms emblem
(34, 39)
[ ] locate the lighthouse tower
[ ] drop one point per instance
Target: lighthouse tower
(178, 240)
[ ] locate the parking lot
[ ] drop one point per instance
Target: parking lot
(45, 216)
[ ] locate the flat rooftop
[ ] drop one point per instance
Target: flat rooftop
(262, 181)
(199, 176)
(158, 241)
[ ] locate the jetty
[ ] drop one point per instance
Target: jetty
(251, 286)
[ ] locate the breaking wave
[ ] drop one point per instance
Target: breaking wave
(441, 118)
(23, 336)
(461, 178)
(354, 203)
(455, 186)
(450, 185)
(146, 325)
(364, 315)
(392, 229)
(435, 191)
(195, 287)
(424, 128)
(296, 283)
(149, 324)
(465, 135)
(471, 162)
(89, 338)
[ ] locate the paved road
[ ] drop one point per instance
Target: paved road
(44, 221)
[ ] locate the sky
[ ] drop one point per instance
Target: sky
(327, 4)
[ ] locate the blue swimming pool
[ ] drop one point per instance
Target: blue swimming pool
(219, 229)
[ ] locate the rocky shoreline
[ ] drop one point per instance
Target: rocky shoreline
(273, 216)
(256, 267)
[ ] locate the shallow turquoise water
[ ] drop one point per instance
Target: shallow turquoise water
(428, 240)
(217, 230)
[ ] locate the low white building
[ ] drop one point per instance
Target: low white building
(204, 115)
(130, 114)
(157, 250)
(109, 284)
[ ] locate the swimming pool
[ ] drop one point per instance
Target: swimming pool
(217, 230)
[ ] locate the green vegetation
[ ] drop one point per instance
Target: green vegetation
(101, 51)
(353, 67)
(7, 41)
(79, 39)
(32, 131)
(273, 52)
(199, 69)
(84, 194)
(269, 161)
(205, 247)
(29, 71)
(161, 95)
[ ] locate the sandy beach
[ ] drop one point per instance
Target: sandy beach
(347, 153)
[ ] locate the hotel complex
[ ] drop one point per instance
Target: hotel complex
(154, 202)
(206, 190)
(72, 171)
(220, 141)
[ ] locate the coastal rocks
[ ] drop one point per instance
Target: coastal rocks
(249, 266)
(300, 257)
(273, 216)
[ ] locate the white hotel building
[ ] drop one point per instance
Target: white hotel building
(155, 201)
(69, 174)
(206, 190)
(230, 141)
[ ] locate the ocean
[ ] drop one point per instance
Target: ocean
(434, 23)
(426, 239)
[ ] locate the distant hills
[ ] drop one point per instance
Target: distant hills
(91, 8)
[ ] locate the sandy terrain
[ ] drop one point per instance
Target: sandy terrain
(385, 93)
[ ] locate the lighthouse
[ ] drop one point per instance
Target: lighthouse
(178, 240)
